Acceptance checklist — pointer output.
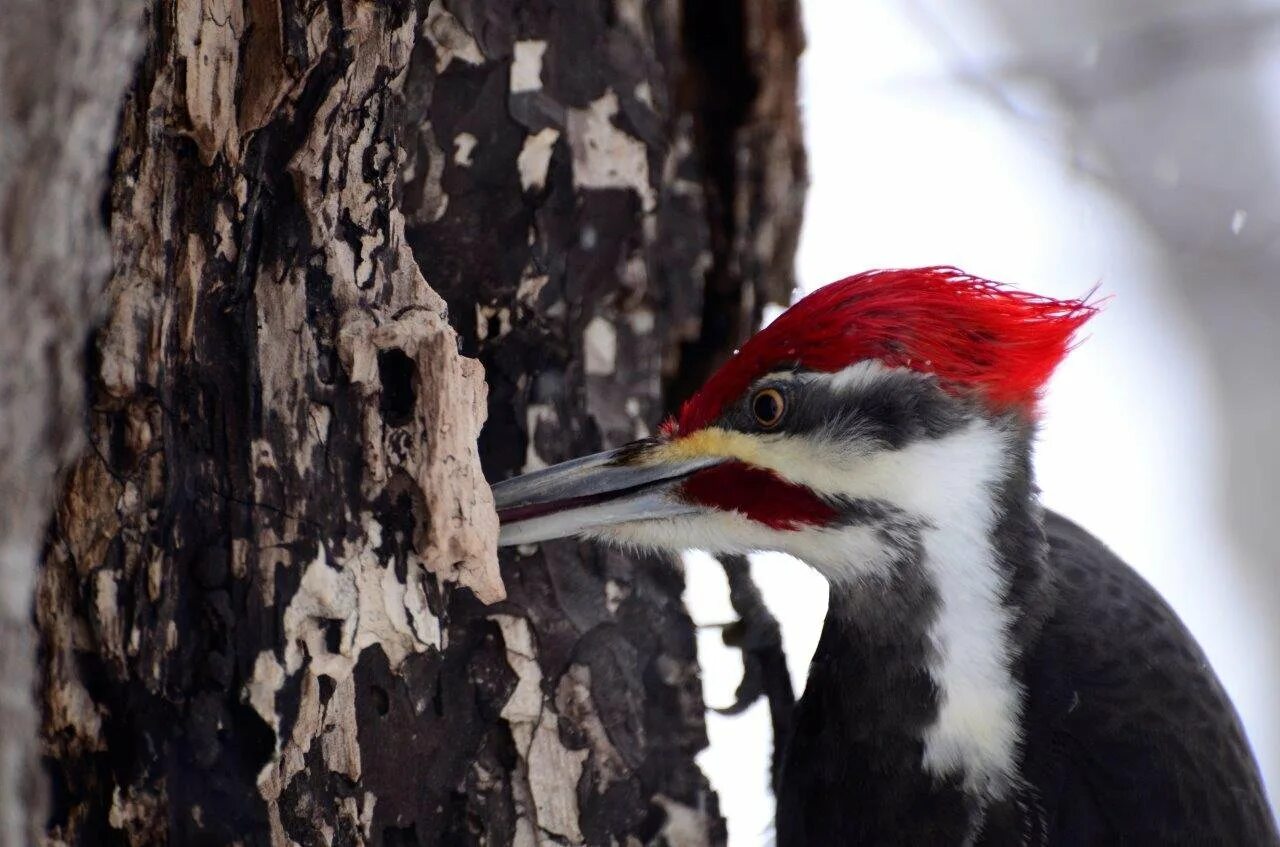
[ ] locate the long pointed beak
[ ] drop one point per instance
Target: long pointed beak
(617, 486)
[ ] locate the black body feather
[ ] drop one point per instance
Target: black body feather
(1128, 736)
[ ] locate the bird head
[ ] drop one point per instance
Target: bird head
(881, 399)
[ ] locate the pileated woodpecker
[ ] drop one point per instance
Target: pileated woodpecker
(988, 673)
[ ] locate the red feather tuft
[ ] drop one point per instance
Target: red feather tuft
(975, 335)
(759, 494)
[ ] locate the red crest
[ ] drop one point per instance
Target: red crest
(977, 336)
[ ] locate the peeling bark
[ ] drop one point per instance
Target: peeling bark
(271, 610)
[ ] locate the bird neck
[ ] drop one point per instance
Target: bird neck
(919, 668)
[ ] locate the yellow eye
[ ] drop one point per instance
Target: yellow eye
(768, 407)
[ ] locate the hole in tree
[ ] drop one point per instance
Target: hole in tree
(333, 635)
(396, 372)
(381, 701)
(327, 687)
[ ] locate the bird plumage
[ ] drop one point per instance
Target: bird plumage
(988, 673)
(1127, 737)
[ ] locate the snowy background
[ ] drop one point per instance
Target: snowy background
(1054, 146)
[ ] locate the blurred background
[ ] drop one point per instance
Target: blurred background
(1056, 146)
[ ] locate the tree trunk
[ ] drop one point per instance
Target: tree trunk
(63, 69)
(271, 609)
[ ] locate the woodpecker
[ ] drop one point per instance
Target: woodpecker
(988, 672)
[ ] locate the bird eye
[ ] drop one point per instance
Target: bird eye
(768, 407)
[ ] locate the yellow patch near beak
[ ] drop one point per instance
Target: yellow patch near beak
(711, 441)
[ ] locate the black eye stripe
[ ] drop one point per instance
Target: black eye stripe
(890, 410)
(887, 412)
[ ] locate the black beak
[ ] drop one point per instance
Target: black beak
(631, 483)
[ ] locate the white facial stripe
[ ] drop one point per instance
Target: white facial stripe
(977, 728)
(859, 375)
(945, 484)
(855, 377)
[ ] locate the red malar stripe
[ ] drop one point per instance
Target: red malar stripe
(759, 494)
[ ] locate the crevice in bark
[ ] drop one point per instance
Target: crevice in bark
(739, 84)
(399, 394)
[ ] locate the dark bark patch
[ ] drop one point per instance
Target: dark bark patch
(397, 729)
(400, 836)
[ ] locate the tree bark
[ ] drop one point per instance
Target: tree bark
(271, 609)
(63, 69)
